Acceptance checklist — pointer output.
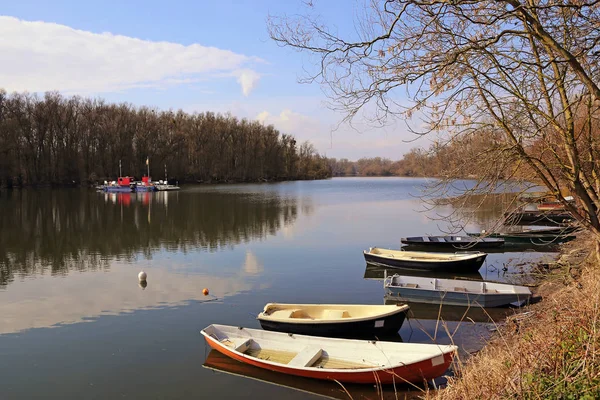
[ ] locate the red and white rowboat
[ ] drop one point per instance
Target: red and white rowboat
(344, 360)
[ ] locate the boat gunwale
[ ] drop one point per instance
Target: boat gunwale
(381, 368)
(388, 283)
(467, 243)
(440, 256)
(306, 321)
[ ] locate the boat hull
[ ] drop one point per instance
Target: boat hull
(538, 217)
(466, 243)
(403, 294)
(414, 373)
(117, 189)
(141, 188)
(537, 239)
(375, 327)
(446, 266)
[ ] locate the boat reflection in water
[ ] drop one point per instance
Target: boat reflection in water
(376, 272)
(543, 247)
(221, 363)
(423, 311)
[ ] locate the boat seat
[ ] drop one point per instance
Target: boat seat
(460, 289)
(284, 314)
(298, 314)
(306, 357)
(239, 344)
(411, 285)
(491, 291)
(335, 314)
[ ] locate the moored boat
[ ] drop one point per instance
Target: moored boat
(122, 185)
(561, 230)
(523, 239)
(550, 206)
(538, 217)
(145, 185)
(421, 260)
(333, 320)
(456, 242)
(163, 186)
(455, 292)
(343, 360)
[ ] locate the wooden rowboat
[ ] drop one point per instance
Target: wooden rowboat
(344, 360)
(551, 206)
(456, 242)
(333, 320)
(558, 231)
(455, 292)
(538, 217)
(537, 239)
(420, 260)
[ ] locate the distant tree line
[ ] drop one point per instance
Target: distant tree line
(57, 140)
(457, 157)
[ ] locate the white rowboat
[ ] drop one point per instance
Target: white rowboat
(344, 360)
(454, 291)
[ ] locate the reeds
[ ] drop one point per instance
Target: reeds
(550, 352)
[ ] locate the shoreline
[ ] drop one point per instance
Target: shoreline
(547, 349)
(218, 182)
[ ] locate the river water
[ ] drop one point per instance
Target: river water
(75, 323)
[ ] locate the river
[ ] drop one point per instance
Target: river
(75, 323)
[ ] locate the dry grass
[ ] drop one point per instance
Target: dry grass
(550, 351)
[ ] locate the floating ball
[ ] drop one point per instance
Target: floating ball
(205, 291)
(142, 276)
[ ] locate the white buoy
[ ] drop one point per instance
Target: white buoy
(142, 276)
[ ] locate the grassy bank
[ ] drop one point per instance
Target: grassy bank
(548, 350)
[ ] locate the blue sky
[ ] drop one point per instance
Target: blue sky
(190, 55)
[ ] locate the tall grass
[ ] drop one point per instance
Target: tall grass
(550, 352)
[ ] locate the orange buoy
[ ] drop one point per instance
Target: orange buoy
(205, 291)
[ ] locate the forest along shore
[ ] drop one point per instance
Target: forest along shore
(550, 349)
(67, 141)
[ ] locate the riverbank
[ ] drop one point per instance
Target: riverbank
(548, 350)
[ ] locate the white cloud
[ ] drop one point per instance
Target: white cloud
(42, 56)
(248, 79)
(263, 116)
(38, 303)
(292, 122)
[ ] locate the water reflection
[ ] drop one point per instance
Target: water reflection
(423, 311)
(44, 302)
(377, 272)
(65, 230)
(295, 242)
(252, 265)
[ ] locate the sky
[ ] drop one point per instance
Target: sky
(192, 55)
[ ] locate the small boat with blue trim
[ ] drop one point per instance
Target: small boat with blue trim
(145, 185)
(455, 242)
(454, 291)
(122, 185)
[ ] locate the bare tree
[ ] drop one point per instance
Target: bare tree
(58, 140)
(526, 72)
